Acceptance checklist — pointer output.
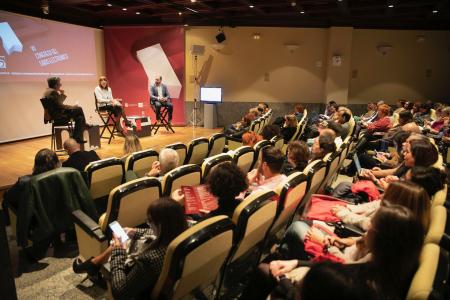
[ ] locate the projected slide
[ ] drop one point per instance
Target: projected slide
(33, 49)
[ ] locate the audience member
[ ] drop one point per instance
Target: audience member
(297, 154)
(78, 159)
(330, 109)
(269, 131)
(226, 181)
(131, 144)
(371, 113)
(431, 179)
(268, 174)
(168, 160)
(298, 112)
(289, 128)
(322, 146)
(136, 266)
(250, 138)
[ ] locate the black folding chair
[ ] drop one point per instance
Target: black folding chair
(56, 123)
(108, 121)
(163, 119)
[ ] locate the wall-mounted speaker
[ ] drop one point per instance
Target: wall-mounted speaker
(197, 50)
(221, 37)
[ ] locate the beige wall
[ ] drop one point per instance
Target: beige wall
(241, 67)
(402, 71)
(22, 114)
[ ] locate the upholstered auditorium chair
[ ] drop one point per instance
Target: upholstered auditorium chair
(217, 144)
(213, 161)
(197, 151)
(141, 162)
(127, 204)
(187, 175)
(258, 150)
(181, 150)
(244, 157)
(277, 142)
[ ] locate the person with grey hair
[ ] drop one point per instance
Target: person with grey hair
(57, 110)
(168, 160)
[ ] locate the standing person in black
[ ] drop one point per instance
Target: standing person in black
(78, 159)
(58, 110)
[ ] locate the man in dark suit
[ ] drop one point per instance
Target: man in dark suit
(58, 110)
(159, 96)
(78, 159)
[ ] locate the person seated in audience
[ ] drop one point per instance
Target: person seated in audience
(400, 106)
(406, 193)
(255, 112)
(44, 160)
(383, 122)
(298, 111)
(422, 113)
(269, 131)
(371, 113)
(289, 128)
(323, 145)
(330, 109)
(106, 102)
(263, 107)
(343, 120)
(332, 129)
(136, 266)
(297, 157)
(268, 174)
(394, 241)
(443, 120)
(431, 179)
(237, 129)
(132, 144)
(78, 159)
(406, 122)
(226, 182)
(168, 160)
(250, 139)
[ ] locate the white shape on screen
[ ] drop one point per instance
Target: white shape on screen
(10, 41)
(155, 62)
(211, 94)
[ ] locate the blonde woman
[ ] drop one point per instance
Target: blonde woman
(290, 126)
(131, 144)
(106, 102)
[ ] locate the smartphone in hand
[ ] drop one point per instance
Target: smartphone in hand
(118, 231)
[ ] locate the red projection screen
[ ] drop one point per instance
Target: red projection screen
(34, 49)
(134, 56)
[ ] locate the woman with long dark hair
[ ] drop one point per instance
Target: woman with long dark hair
(136, 266)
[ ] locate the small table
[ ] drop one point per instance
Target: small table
(142, 125)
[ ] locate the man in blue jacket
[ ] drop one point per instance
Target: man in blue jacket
(159, 96)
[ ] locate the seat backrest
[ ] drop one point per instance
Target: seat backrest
(243, 157)
(430, 279)
(104, 175)
(258, 149)
(45, 105)
(332, 165)
(141, 162)
(181, 150)
(291, 194)
(277, 142)
(197, 151)
(194, 259)
(188, 175)
(253, 218)
(213, 161)
(128, 202)
(255, 126)
(440, 197)
(438, 221)
(315, 171)
(217, 143)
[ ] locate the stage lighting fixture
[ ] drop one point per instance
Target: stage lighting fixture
(221, 37)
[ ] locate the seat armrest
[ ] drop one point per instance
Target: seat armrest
(88, 225)
(445, 242)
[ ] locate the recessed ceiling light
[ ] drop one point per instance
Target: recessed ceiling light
(391, 5)
(193, 1)
(109, 4)
(251, 6)
(435, 11)
(339, 0)
(186, 25)
(302, 12)
(180, 13)
(293, 3)
(124, 8)
(138, 13)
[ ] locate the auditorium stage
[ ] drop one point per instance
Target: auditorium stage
(17, 158)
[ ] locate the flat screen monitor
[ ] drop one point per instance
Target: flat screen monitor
(211, 94)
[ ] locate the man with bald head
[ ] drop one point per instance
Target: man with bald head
(78, 159)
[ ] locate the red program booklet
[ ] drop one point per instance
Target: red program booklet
(198, 199)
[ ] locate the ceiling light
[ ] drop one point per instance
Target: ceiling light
(339, 0)
(391, 5)
(251, 6)
(138, 13)
(293, 3)
(193, 1)
(124, 8)
(256, 36)
(180, 13)
(302, 12)
(186, 25)
(109, 4)
(435, 11)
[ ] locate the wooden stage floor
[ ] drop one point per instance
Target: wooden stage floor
(17, 158)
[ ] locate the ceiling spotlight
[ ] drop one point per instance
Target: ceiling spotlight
(339, 0)
(180, 13)
(193, 1)
(186, 25)
(124, 8)
(138, 13)
(293, 3)
(391, 5)
(109, 4)
(435, 11)
(256, 36)
(302, 12)
(251, 6)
